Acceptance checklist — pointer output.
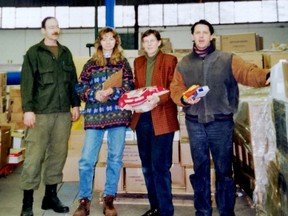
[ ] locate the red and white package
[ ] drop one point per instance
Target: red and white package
(137, 99)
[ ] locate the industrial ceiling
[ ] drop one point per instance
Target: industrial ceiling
(39, 3)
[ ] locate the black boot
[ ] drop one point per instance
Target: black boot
(27, 203)
(51, 201)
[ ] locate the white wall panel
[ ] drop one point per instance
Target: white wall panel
(101, 16)
(254, 11)
(184, 14)
(170, 14)
(282, 10)
(8, 17)
(143, 15)
(226, 12)
(62, 15)
(129, 16)
(47, 11)
(118, 16)
(211, 11)
(156, 15)
(269, 11)
(240, 12)
(197, 12)
(0, 17)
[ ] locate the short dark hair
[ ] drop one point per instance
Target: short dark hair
(203, 22)
(151, 31)
(43, 23)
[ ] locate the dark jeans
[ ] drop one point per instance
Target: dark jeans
(156, 157)
(215, 136)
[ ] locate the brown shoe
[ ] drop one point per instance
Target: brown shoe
(108, 207)
(83, 208)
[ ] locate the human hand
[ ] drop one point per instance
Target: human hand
(153, 100)
(267, 82)
(107, 92)
(192, 101)
(101, 96)
(75, 113)
(29, 119)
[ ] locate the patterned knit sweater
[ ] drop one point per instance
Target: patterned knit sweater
(100, 115)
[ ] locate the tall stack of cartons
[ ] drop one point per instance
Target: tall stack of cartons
(15, 107)
(5, 142)
(276, 196)
(3, 98)
(254, 144)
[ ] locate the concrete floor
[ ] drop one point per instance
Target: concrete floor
(11, 201)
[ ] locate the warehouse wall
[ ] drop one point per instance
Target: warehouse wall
(14, 43)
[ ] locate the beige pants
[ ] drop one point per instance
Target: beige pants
(46, 150)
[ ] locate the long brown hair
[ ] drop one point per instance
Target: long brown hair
(117, 53)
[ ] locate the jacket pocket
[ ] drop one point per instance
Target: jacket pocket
(46, 76)
(68, 70)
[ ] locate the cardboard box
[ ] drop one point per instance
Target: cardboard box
(3, 78)
(17, 117)
(70, 170)
(272, 58)
(178, 175)
(185, 155)
(279, 81)
(17, 139)
(16, 104)
(252, 57)
(100, 179)
(134, 181)
(3, 118)
(5, 143)
(176, 152)
(16, 155)
(3, 90)
(3, 104)
(14, 92)
(131, 156)
(245, 42)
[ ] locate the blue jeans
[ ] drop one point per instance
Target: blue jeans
(156, 157)
(89, 157)
(215, 136)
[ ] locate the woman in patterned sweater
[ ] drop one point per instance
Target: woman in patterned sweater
(103, 114)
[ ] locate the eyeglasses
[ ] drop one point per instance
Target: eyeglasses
(150, 41)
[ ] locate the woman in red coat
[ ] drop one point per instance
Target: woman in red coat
(155, 129)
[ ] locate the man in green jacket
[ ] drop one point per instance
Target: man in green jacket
(48, 78)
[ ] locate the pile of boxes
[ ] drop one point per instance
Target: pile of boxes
(3, 98)
(260, 143)
(131, 177)
(11, 124)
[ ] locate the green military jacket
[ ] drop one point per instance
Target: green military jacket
(47, 82)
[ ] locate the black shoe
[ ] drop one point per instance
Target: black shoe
(152, 212)
(55, 204)
(26, 212)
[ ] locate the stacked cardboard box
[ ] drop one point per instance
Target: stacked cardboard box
(276, 196)
(254, 144)
(272, 58)
(3, 98)
(5, 142)
(245, 42)
(15, 107)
